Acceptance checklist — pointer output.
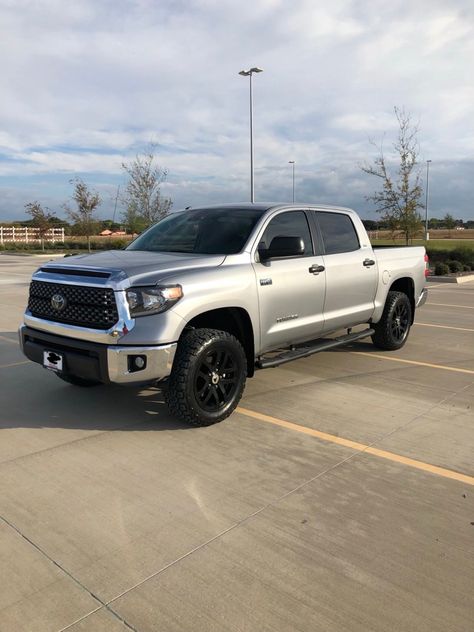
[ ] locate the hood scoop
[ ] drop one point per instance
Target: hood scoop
(76, 272)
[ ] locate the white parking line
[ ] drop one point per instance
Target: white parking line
(443, 327)
(453, 291)
(449, 305)
(442, 367)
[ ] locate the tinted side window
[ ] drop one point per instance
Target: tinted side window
(339, 234)
(291, 224)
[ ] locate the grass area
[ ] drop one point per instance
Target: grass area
(432, 244)
(72, 245)
(456, 255)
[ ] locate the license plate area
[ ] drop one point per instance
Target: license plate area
(53, 360)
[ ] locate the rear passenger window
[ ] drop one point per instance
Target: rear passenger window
(339, 234)
(290, 224)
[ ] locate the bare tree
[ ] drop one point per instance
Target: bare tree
(143, 200)
(41, 219)
(450, 223)
(398, 199)
(86, 204)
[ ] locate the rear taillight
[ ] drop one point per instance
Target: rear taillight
(427, 266)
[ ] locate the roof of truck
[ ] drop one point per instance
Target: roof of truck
(266, 207)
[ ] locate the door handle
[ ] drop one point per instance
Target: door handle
(368, 262)
(316, 269)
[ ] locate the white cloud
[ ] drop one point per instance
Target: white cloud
(86, 85)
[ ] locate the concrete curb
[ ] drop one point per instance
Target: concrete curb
(451, 279)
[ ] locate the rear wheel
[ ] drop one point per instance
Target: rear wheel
(208, 377)
(391, 332)
(77, 381)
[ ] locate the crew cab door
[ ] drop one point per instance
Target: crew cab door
(290, 289)
(351, 272)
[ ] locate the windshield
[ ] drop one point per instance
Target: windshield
(203, 231)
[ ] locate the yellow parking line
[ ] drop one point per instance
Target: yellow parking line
(360, 447)
(444, 327)
(448, 305)
(7, 366)
(414, 362)
(14, 342)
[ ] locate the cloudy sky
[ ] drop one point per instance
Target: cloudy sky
(86, 85)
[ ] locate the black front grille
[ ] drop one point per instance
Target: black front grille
(83, 306)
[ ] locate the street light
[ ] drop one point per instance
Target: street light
(292, 163)
(427, 235)
(249, 73)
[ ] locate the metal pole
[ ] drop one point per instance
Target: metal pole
(249, 73)
(292, 163)
(115, 207)
(252, 187)
(427, 235)
(293, 182)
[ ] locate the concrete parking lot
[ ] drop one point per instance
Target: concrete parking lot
(340, 496)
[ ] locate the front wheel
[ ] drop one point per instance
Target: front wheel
(391, 332)
(208, 377)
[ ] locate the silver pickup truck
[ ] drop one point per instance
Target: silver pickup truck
(207, 295)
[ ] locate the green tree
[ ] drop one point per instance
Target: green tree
(41, 219)
(86, 202)
(449, 222)
(133, 219)
(143, 200)
(399, 196)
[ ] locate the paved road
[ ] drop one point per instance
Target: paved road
(339, 498)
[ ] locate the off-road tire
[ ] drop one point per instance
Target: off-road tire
(391, 332)
(77, 381)
(208, 377)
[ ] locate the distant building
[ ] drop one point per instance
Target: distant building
(112, 233)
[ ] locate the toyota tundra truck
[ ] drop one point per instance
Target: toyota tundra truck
(206, 296)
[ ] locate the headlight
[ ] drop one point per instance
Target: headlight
(152, 300)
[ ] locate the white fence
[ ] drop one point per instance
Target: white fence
(9, 234)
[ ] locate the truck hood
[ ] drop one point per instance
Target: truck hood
(139, 266)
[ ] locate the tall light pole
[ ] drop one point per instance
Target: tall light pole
(115, 206)
(292, 163)
(427, 235)
(249, 73)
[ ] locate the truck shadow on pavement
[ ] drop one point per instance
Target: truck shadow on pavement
(32, 397)
(100, 408)
(106, 408)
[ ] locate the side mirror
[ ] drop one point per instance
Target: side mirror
(282, 247)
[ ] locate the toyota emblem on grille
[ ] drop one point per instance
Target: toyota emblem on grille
(58, 302)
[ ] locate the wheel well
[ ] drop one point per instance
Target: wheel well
(406, 286)
(234, 320)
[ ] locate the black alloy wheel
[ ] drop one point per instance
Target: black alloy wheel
(216, 379)
(400, 322)
(208, 377)
(391, 332)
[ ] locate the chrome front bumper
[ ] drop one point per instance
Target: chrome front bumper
(99, 362)
(158, 363)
